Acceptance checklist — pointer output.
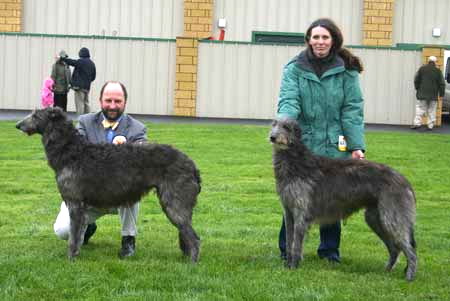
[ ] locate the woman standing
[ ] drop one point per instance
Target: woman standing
(320, 89)
(61, 76)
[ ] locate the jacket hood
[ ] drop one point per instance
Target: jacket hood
(84, 52)
(63, 54)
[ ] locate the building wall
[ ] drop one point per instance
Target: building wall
(197, 25)
(146, 67)
(237, 81)
(234, 80)
(10, 15)
(388, 84)
(240, 80)
(198, 18)
(126, 18)
(377, 24)
(246, 16)
(415, 20)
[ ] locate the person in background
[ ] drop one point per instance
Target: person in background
(47, 93)
(84, 74)
(429, 83)
(61, 76)
(110, 125)
(320, 90)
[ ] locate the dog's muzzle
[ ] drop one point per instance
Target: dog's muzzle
(277, 142)
(21, 125)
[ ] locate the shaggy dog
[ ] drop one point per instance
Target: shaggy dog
(323, 190)
(109, 176)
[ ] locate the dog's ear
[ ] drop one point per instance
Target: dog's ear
(55, 113)
(296, 129)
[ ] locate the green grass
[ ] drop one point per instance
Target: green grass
(238, 217)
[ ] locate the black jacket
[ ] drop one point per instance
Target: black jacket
(84, 72)
(429, 82)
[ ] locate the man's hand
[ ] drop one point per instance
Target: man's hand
(119, 140)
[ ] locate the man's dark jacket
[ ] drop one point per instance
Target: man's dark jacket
(429, 82)
(84, 72)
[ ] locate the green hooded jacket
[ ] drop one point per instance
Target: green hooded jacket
(61, 76)
(324, 107)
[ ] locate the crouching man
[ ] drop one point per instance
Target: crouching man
(110, 125)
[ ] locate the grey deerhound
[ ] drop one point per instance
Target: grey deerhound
(108, 176)
(323, 190)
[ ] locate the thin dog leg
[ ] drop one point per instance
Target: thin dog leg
(191, 240)
(78, 225)
(400, 228)
(289, 224)
(299, 232)
(408, 248)
(181, 217)
(186, 235)
(372, 217)
(183, 245)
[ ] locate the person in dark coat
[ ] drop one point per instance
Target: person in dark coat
(83, 75)
(61, 76)
(429, 83)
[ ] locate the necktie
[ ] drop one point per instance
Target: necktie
(109, 124)
(110, 127)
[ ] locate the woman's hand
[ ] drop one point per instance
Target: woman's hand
(358, 154)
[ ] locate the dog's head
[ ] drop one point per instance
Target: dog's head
(39, 120)
(284, 133)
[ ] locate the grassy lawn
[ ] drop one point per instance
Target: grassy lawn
(238, 218)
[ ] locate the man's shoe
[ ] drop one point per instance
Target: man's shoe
(90, 230)
(333, 258)
(414, 127)
(283, 256)
(128, 247)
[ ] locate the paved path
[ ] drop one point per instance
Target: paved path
(13, 115)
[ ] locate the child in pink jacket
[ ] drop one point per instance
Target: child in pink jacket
(47, 93)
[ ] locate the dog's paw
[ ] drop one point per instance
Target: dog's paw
(410, 273)
(72, 255)
(292, 264)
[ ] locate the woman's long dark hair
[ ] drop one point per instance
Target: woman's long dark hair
(351, 61)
